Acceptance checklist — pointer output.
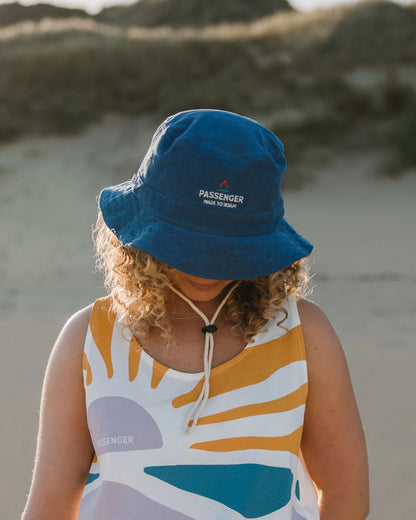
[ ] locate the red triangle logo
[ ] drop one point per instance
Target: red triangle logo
(224, 184)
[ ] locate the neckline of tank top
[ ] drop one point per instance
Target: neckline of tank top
(193, 375)
(259, 339)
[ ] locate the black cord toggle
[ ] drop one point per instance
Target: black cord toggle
(209, 328)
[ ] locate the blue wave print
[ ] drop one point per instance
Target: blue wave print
(253, 490)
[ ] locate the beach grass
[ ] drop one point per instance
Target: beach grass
(344, 75)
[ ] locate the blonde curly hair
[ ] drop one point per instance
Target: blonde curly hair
(138, 286)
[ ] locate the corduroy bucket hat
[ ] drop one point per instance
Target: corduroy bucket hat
(207, 199)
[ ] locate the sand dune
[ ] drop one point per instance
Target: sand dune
(364, 231)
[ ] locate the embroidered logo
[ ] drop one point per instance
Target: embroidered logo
(221, 197)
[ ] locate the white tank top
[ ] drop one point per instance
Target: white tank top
(243, 459)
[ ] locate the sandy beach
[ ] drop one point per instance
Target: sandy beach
(364, 230)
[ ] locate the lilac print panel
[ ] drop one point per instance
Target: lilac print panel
(120, 424)
(114, 501)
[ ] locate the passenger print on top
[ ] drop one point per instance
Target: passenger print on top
(243, 459)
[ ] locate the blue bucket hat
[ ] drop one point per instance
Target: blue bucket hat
(207, 200)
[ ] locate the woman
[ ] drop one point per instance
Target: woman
(211, 389)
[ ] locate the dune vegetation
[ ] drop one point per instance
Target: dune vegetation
(197, 13)
(322, 80)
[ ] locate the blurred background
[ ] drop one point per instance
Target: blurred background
(83, 86)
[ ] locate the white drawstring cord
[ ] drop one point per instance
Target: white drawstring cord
(209, 329)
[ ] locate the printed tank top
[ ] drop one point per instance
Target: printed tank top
(242, 461)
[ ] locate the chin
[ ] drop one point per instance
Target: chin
(209, 290)
(198, 289)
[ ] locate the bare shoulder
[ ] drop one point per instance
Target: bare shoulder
(312, 316)
(325, 355)
(71, 340)
(76, 326)
(65, 366)
(322, 344)
(67, 353)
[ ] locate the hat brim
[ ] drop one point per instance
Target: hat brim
(199, 254)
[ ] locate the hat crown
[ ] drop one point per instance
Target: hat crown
(199, 172)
